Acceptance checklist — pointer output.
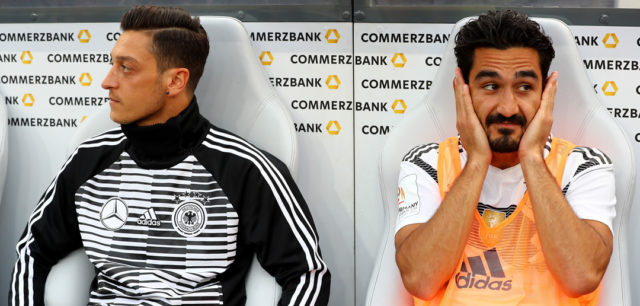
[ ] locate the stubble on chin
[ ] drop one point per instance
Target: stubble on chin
(506, 142)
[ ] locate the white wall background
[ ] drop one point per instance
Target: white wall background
(337, 172)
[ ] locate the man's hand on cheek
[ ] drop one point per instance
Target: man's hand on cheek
(535, 137)
(472, 134)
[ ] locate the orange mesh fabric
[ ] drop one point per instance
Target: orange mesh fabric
(504, 264)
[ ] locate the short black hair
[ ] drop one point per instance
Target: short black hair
(502, 30)
(178, 40)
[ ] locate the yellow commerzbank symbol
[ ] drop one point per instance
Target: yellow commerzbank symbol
(610, 88)
(398, 60)
(333, 127)
(26, 57)
(333, 82)
(266, 58)
(332, 36)
(399, 106)
(610, 40)
(84, 36)
(83, 118)
(28, 100)
(85, 79)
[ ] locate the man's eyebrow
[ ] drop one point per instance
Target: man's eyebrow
(122, 58)
(527, 74)
(487, 74)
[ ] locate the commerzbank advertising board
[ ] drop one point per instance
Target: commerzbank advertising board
(346, 86)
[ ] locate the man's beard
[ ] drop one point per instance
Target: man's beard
(505, 143)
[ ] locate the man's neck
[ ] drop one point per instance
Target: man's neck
(181, 102)
(173, 106)
(165, 144)
(504, 160)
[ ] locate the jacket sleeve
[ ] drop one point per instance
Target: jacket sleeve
(51, 233)
(283, 234)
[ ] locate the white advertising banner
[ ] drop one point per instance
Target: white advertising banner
(50, 77)
(346, 86)
(309, 64)
(610, 55)
(394, 68)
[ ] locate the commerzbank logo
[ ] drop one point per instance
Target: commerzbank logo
(85, 79)
(610, 40)
(266, 58)
(28, 100)
(609, 88)
(84, 36)
(26, 57)
(332, 36)
(483, 272)
(333, 82)
(398, 60)
(333, 127)
(399, 106)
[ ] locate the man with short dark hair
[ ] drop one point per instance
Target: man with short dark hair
(504, 213)
(169, 208)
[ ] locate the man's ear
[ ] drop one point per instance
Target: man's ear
(177, 80)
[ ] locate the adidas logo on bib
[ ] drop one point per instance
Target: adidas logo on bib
(478, 277)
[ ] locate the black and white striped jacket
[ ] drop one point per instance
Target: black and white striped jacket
(171, 215)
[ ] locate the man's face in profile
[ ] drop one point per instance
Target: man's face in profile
(135, 86)
(506, 88)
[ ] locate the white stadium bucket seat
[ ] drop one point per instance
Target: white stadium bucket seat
(579, 117)
(234, 93)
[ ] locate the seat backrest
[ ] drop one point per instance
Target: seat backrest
(579, 117)
(233, 93)
(4, 145)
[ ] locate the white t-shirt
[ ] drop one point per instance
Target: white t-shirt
(587, 183)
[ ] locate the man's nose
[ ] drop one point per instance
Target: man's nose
(508, 104)
(109, 80)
